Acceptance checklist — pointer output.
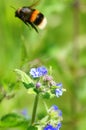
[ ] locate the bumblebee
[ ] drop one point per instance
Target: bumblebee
(31, 16)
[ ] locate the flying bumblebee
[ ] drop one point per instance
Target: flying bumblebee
(31, 16)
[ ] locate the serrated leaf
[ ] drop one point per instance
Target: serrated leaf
(24, 77)
(12, 120)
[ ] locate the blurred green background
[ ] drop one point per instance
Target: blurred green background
(62, 45)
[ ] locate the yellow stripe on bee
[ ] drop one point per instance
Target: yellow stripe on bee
(34, 15)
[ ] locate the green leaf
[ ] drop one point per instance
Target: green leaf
(46, 95)
(24, 77)
(32, 128)
(13, 120)
(27, 86)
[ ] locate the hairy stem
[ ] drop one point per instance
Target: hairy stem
(34, 108)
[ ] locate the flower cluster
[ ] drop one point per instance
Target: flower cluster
(42, 82)
(53, 119)
(45, 84)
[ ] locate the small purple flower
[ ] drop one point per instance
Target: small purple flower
(47, 78)
(38, 85)
(58, 92)
(38, 72)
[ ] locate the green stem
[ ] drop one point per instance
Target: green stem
(34, 108)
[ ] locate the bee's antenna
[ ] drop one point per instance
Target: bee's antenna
(12, 7)
(34, 4)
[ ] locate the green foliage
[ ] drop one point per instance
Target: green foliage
(21, 47)
(23, 76)
(12, 120)
(32, 128)
(25, 79)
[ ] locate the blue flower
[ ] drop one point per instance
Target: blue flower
(54, 107)
(58, 126)
(34, 73)
(42, 70)
(59, 113)
(24, 112)
(38, 72)
(58, 92)
(50, 127)
(59, 85)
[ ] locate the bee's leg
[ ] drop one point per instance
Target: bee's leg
(27, 24)
(33, 26)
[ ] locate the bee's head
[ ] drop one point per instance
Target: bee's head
(18, 13)
(23, 12)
